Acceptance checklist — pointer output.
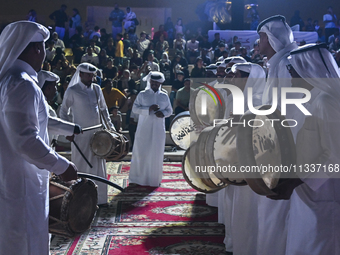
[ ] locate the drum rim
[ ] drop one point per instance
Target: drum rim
(187, 178)
(286, 143)
(210, 153)
(187, 114)
(193, 114)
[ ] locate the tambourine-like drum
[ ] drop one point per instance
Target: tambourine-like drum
(72, 206)
(270, 145)
(220, 151)
(192, 176)
(182, 130)
(110, 145)
(206, 106)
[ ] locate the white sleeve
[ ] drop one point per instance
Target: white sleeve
(138, 107)
(57, 126)
(168, 109)
(66, 105)
(21, 112)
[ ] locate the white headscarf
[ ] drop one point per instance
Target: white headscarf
(212, 68)
(235, 60)
(256, 80)
(279, 33)
(85, 68)
(315, 64)
(15, 38)
(155, 76)
(44, 76)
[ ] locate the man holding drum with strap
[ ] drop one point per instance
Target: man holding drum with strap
(25, 157)
(314, 222)
(85, 105)
(276, 42)
(153, 106)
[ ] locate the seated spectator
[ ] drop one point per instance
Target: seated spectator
(255, 55)
(104, 36)
(205, 44)
(136, 58)
(116, 118)
(95, 32)
(161, 46)
(235, 51)
(234, 40)
(58, 43)
(179, 43)
(192, 48)
(90, 57)
(176, 85)
(132, 37)
(50, 50)
(151, 47)
(110, 71)
(244, 54)
(110, 48)
(103, 58)
(151, 61)
(183, 97)
(160, 32)
(179, 63)
(113, 97)
(224, 55)
(125, 83)
(95, 47)
(310, 27)
(218, 52)
(217, 41)
(77, 44)
(204, 55)
(142, 43)
(165, 66)
(199, 36)
(59, 55)
(332, 38)
(334, 46)
(143, 72)
(134, 72)
(198, 71)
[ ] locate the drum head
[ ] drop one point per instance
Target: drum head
(182, 130)
(214, 109)
(103, 142)
(190, 174)
(221, 151)
(269, 145)
(82, 206)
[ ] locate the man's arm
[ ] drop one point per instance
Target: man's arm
(138, 107)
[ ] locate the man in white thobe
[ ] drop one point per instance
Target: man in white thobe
(314, 223)
(84, 104)
(276, 42)
(25, 159)
(153, 106)
(47, 81)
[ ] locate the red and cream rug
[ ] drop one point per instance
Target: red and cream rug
(170, 219)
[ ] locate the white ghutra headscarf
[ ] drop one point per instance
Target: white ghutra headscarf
(154, 76)
(85, 68)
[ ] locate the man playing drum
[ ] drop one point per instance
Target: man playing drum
(314, 223)
(25, 157)
(153, 106)
(85, 105)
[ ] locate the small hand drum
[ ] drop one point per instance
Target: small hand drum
(109, 145)
(269, 145)
(72, 206)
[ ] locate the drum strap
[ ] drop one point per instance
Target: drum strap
(101, 115)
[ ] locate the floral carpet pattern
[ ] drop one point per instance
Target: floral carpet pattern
(170, 219)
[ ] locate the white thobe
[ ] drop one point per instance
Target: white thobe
(82, 102)
(148, 148)
(314, 222)
(24, 156)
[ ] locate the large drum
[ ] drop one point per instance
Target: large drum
(268, 149)
(109, 145)
(206, 105)
(194, 177)
(183, 131)
(72, 206)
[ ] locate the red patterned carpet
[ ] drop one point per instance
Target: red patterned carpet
(170, 219)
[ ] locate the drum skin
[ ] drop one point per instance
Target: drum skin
(109, 145)
(182, 130)
(72, 206)
(265, 146)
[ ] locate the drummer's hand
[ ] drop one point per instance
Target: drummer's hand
(159, 114)
(70, 173)
(77, 129)
(70, 138)
(285, 189)
(154, 107)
